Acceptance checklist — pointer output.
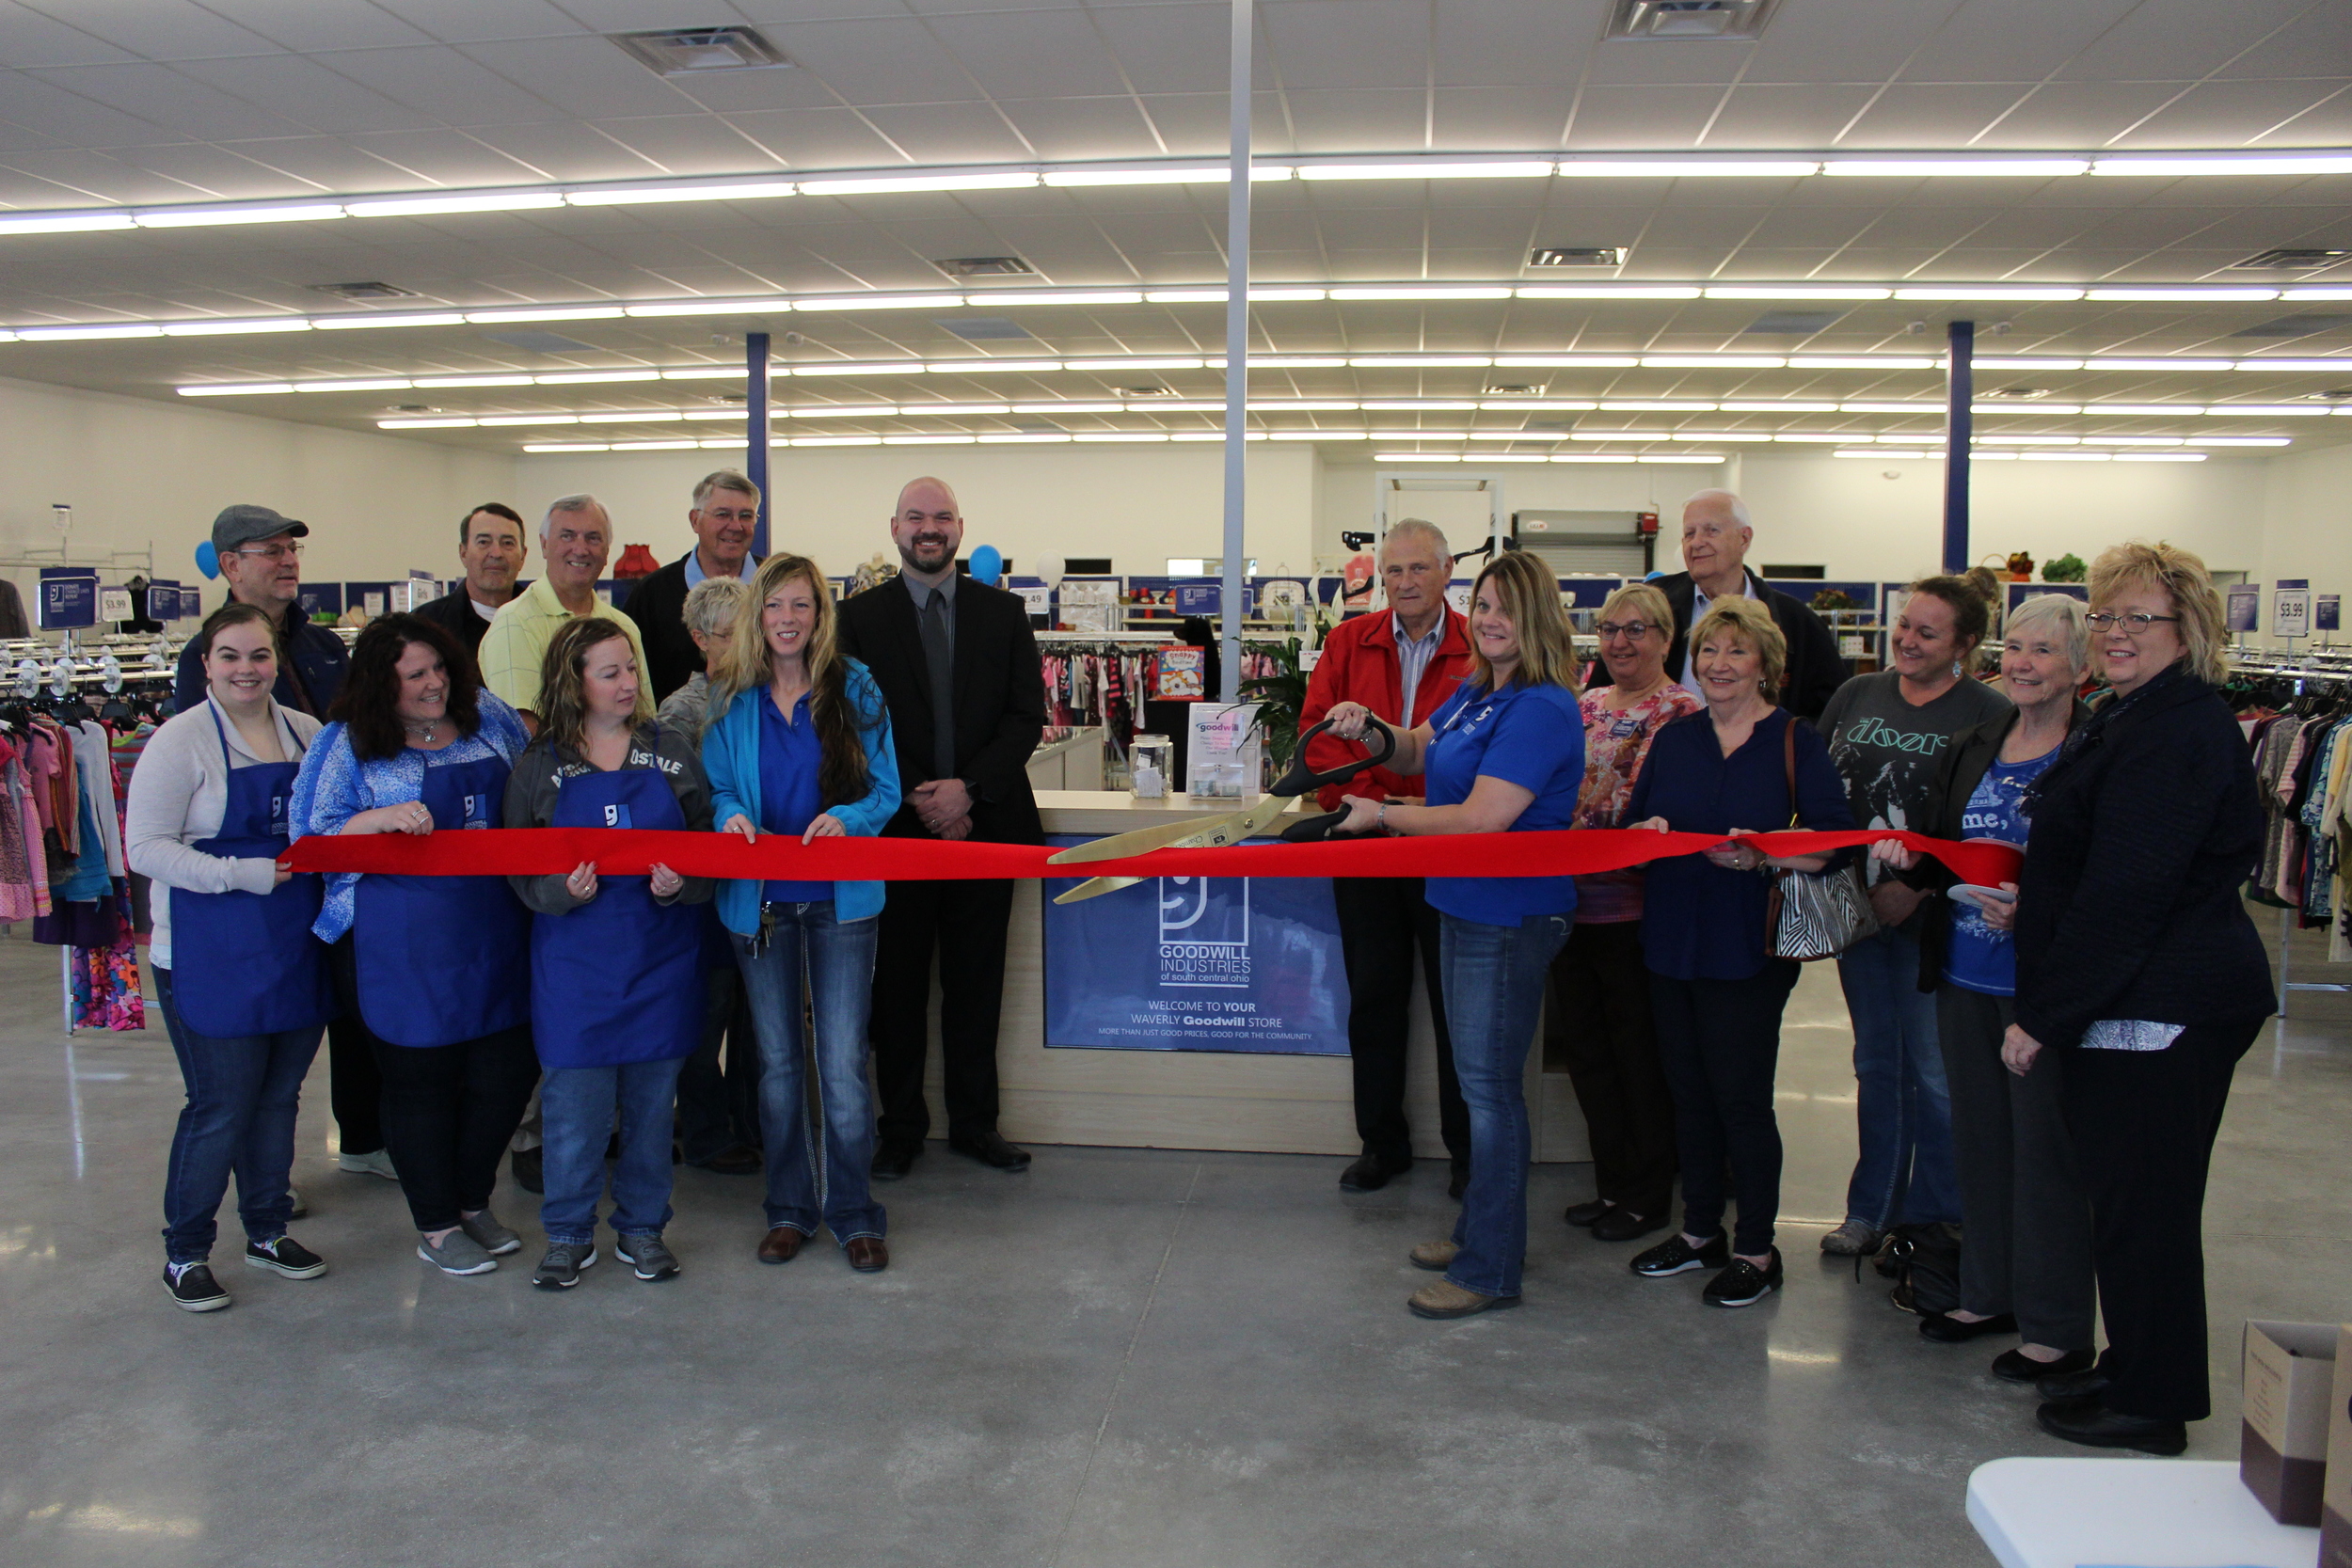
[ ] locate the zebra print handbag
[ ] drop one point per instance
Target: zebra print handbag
(1815, 915)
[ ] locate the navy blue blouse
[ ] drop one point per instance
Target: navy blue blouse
(1700, 922)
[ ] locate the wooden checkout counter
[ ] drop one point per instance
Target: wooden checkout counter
(1193, 1099)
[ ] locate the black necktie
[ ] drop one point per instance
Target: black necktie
(940, 655)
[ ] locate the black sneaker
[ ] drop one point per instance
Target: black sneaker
(1675, 1256)
(285, 1256)
(1743, 1284)
(193, 1288)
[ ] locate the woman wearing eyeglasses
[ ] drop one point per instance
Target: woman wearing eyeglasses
(2137, 961)
(1602, 987)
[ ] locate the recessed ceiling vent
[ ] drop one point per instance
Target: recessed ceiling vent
(1143, 392)
(2014, 394)
(1666, 20)
(1514, 389)
(690, 51)
(985, 266)
(362, 291)
(2290, 259)
(1577, 255)
(1794, 323)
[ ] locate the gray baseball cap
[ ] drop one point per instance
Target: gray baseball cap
(247, 524)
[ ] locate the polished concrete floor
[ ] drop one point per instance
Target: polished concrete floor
(1122, 1358)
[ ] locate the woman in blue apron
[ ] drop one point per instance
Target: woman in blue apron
(616, 987)
(241, 980)
(434, 967)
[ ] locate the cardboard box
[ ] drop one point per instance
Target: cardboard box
(2283, 1447)
(2335, 1522)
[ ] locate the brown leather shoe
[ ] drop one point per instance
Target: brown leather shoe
(868, 1253)
(781, 1246)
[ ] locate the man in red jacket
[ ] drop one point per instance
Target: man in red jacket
(1401, 662)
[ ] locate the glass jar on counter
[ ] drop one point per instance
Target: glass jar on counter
(1149, 760)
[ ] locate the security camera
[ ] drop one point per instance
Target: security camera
(1355, 541)
(1997, 329)
(793, 340)
(1914, 329)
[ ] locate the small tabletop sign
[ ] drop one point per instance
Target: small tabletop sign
(2291, 609)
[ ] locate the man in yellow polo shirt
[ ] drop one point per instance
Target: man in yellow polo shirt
(574, 540)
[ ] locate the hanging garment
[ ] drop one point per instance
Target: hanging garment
(16, 870)
(105, 976)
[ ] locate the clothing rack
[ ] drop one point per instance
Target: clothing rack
(2311, 664)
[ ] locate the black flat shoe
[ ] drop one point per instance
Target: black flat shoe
(1622, 1224)
(894, 1161)
(1585, 1213)
(1457, 1183)
(991, 1149)
(1946, 1329)
(2016, 1366)
(2094, 1426)
(1370, 1173)
(1675, 1256)
(2065, 1387)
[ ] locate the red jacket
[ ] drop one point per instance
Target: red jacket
(1359, 664)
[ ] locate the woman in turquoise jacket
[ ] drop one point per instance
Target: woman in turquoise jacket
(799, 742)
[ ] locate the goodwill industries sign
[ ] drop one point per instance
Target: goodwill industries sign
(1197, 963)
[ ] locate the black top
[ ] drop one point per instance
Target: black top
(1814, 670)
(2144, 830)
(310, 675)
(454, 614)
(658, 605)
(1000, 701)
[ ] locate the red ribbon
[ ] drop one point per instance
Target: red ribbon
(781, 857)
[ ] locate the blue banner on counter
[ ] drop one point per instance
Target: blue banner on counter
(1197, 963)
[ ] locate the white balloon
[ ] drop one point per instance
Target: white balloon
(1050, 569)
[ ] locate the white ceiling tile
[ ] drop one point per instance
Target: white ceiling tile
(580, 75)
(2225, 114)
(2075, 114)
(1491, 43)
(1630, 63)
(2180, 41)
(475, 20)
(1195, 124)
(569, 152)
(441, 81)
(878, 60)
(78, 178)
(29, 39)
(450, 158)
(685, 145)
(303, 26)
(1353, 44)
(1780, 117)
(1336, 121)
(217, 171)
(1612, 119)
(1918, 114)
(307, 94)
(327, 163)
(1170, 48)
(1077, 129)
(730, 91)
(2327, 124)
(817, 138)
(618, 16)
(179, 104)
(1839, 40)
(164, 30)
(1031, 54)
(69, 119)
(950, 133)
(1500, 119)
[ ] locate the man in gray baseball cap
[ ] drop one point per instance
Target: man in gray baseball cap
(262, 566)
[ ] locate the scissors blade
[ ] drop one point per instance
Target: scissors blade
(1095, 887)
(1167, 835)
(1214, 834)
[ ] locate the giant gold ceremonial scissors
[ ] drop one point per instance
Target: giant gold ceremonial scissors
(1219, 832)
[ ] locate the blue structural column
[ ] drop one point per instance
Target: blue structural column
(1959, 384)
(755, 432)
(1236, 346)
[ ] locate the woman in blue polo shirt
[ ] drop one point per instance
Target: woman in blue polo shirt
(1505, 753)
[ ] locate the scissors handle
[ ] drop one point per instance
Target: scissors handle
(1298, 780)
(1313, 830)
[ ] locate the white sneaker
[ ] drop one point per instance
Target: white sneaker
(377, 1163)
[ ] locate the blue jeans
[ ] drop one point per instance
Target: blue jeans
(1494, 985)
(243, 1094)
(810, 958)
(1906, 1174)
(576, 1108)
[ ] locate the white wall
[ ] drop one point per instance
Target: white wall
(2307, 525)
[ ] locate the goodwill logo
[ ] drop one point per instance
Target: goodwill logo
(1204, 941)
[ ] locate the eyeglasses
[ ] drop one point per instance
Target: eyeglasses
(271, 552)
(1635, 630)
(2134, 624)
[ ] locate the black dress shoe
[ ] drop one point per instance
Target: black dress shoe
(1622, 1224)
(1945, 1329)
(892, 1161)
(991, 1149)
(2064, 1387)
(1585, 1213)
(2016, 1366)
(526, 1165)
(1457, 1183)
(1370, 1173)
(2093, 1425)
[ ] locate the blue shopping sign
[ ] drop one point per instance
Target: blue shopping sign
(1197, 963)
(1200, 598)
(68, 597)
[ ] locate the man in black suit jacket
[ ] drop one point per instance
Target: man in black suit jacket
(963, 759)
(492, 547)
(1715, 538)
(726, 510)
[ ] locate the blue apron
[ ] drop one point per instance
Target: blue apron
(436, 956)
(245, 963)
(618, 979)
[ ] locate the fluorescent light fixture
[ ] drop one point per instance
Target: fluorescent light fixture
(1681, 457)
(1395, 406)
(2159, 457)
(929, 440)
(836, 440)
(222, 328)
(710, 307)
(1420, 291)
(2125, 364)
(1267, 363)
(655, 446)
(1513, 457)
(1863, 362)
(544, 313)
(1206, 405)
(2144, 410)
(1987, 292)
(1565, 361)
(1417, 362)
(1140, 364)
(1688, 168)
(732, 190)
(2191, 295)
(1890, 408)
(1620, 435)
(895, 366)
(2328, 365)
(1067, 296)
(1326, 436)
(1607, 291)
(2135, 440)
(1712, 361)
(2030, 440)
(2271, 411)
(1770, 291)
(1421, 434)
(1811, 437)
(1123, 435)
(201, 217)
(565, 445)
(1218, 297)
(2316, 293)
(71, 334)
(479, 201)
(1058, 408)
(1191, 174)
(472, 381)
(378, 384)
(1773, 405)
(2227, 163)
(2066, 457)
(1972, 168)
(1009, 367)
(708, 373)
(2238, 441)
(1646, 406)
(582, 378)
(1875, 451)
(955, 408)
(641, 416)
(234, 389)
(1539, 437)
(1531, 405)
(410, 318)
(63, 223)
(893, 184)
(1416, 458)
(2032, 410)
(1433, 168)
(423, 424)
(839, 410)
(1588, 457)
(880, 302)
(1289, 405)
(2001, 362)
(1023, 439)
(487, 420)
(1724, 436)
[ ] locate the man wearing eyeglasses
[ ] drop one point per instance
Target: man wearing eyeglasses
(260, 559)
(1402, 663)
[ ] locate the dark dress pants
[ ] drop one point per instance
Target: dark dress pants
(354, 1089)
(1381, 920)
(2144, 1124)
(1611, 1036)
(1720, 1043)
(964, 924)
(718, 1107)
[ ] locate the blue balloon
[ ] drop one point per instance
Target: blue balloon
(986, 564)
(208, 559)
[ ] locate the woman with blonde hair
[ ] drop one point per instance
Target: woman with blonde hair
(2137, 963)
(797, 742)
(614, 960)
(1504, 754)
